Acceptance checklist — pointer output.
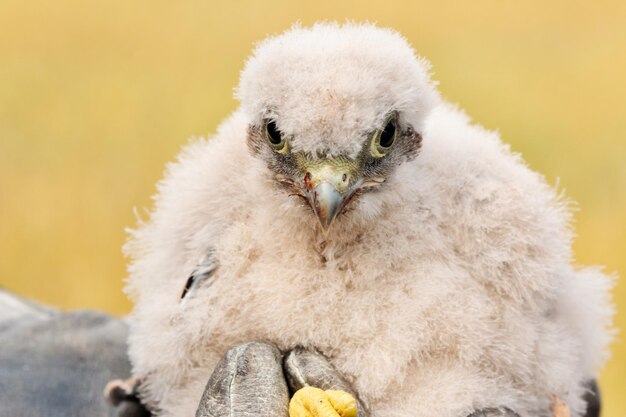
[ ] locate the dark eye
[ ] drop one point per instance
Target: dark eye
(388, 135)
(273, 134)
(275, 137)
(383, 139)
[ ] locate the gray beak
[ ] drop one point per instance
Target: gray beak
(326, 203)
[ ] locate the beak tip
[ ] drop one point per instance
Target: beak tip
(326, 202)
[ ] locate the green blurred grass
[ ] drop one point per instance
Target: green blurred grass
(96, 96)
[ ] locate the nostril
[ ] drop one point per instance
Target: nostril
(344, 177)
(307, 181)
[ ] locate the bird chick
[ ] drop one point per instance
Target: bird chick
(345, 207)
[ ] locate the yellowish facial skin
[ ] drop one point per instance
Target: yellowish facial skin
(314, 402)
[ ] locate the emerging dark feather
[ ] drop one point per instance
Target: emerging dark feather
(201, 273)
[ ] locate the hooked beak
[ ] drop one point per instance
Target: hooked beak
(326, 202)
(329, 188)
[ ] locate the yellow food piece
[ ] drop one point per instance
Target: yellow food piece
(314, 402)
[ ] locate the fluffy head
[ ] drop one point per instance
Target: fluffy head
(329, 85)
(325, 92)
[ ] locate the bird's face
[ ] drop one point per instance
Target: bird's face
(333, 111)
(330, 184)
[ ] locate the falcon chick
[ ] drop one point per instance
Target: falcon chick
(345, 207)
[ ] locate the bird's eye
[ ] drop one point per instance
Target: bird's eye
(275, 137)
(273, 134)
(383, 139)
(388, 135)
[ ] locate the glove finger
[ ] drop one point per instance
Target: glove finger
(247, 382)
(307, 367)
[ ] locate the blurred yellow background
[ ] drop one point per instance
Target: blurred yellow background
(95, 97)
